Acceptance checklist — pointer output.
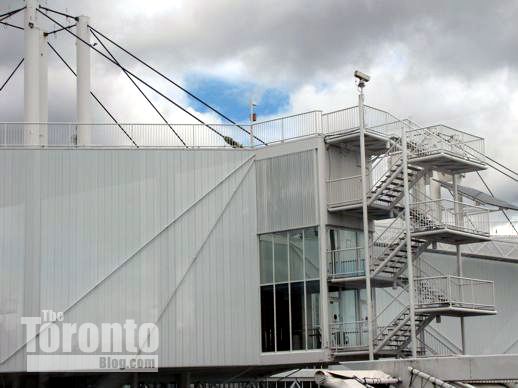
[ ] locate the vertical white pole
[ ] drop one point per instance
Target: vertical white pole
(31, 74)
(84, 136)
(323, 169)
(365, 216)
(460, 271)
(44, 88)
(410, 264)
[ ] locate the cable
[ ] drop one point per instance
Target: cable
(10, 13)
(57, 12)
(140, 90)
(93, 95)
(11, 75)
(58, 30)
(172, 82)
(491, 193)
(227, 139)
(493, 160)
(474, 156)
(11, 25)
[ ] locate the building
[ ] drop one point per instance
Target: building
(304, 240)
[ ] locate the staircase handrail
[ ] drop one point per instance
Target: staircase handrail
(385, 172)
(394, 299)
(443, 340)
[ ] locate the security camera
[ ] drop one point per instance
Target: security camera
(362, 76)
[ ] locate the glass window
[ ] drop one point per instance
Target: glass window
(280, 255)
(266, 258)
(289, 261)
(267, 321)
(296, 256)
(298, 332)
(282, 307)
(313, 314)
(312, 253)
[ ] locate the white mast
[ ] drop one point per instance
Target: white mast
(31, 75)
(44, 90)
(83, 82)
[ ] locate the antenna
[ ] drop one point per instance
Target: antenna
(253, 118)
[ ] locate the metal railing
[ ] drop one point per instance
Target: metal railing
(344, 191)
(289, 127)
(376, 121)
(347, 262)
(445, 213)
(436, 344)
(441, 138)
(388, 239)
(121, 135)
(346, 335)
(454, 291)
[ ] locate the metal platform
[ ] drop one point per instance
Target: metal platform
(447, 162)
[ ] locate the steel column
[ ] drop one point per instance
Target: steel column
(410, 265)
(31, 74)
(460, 271)
(365, 217)
(44, 91)
(322, 197)
(84, 136)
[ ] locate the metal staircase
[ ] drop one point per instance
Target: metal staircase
(395, 337)
(389, 250)
(386, 188)
(436, 148)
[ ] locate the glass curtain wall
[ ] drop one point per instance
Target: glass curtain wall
(290, 290)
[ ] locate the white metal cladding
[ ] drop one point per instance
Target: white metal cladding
(96, 209)
(494, 334)
(286, 192)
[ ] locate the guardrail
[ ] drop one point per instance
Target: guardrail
(347, 262)
(121, 135)
(376, 120)
(446, 213)
(455, 291)
(441, 138)
(346, 335)
(344, 191)
(288, 127)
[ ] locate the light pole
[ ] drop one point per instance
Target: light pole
(362, 79)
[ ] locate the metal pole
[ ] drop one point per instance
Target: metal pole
(44, 91)
(460, 271)
(252, 119)
(365, 216)
(410, 265)
(31, 69)
(322, 197)
(83, 82)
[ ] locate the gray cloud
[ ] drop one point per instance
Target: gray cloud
(454, 62)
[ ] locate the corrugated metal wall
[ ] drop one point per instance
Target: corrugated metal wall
(487, 334)
(287, 192)
(106, 257)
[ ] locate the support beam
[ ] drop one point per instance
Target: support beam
(413, 334)
(365, 218)
(458, 220)
(44, 91)
(323, 168)
(84, 135)
(31, 75)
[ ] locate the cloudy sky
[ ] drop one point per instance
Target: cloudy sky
(451, 62)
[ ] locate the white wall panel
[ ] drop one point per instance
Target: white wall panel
(286, 192)
(97, 208)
